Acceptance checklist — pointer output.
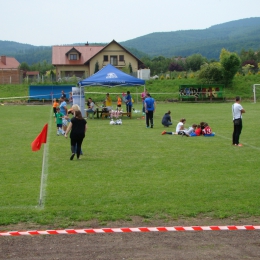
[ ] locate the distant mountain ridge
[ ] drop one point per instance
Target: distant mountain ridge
(234, 36)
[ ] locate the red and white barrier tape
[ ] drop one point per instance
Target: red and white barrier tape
(128, 230)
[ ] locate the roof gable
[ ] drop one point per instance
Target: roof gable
(112, 42)
(60, 54)
(73, 50)
(8, 63)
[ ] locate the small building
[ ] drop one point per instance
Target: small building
(81, 61)
(144, 74)
(10, 72)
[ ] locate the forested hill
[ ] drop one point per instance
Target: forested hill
(234, 36)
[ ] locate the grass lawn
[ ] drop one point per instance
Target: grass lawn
(129, 170)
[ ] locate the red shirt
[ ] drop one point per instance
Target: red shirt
(207, 130)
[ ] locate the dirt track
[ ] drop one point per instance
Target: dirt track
(153, 245)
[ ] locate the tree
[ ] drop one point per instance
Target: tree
(194, 62)
(248, 55)
(96, 67)
(175, 67)
(24, 66)
(211, 73)
(230, 63)
(159, 65)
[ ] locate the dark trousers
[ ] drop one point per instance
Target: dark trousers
(128, 108)
(76, 142)
(149, 118)
(237, 132)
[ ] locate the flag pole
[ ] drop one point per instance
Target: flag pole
(42, 176)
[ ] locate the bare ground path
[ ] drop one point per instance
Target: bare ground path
(152, 245)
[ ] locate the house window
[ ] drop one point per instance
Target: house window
(73, 56)
(113, 60)
(121, 58)
(105, 58)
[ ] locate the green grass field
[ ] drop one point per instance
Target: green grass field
(129, 170)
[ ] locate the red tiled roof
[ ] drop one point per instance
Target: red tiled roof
(8, 63)
(59, 56)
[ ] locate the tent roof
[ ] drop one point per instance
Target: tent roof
(110, 76)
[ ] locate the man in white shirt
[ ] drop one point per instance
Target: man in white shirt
(237, 111)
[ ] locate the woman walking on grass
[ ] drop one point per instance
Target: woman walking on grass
(77, 129)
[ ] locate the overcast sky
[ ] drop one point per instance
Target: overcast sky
(57, 22)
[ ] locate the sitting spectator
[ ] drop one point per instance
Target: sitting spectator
(166, 120)
(207, 130)
(179, 129)
(104, 108)
(191, 130)
(198, 130)
(91, 108)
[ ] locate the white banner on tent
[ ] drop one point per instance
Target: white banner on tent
(79, 98)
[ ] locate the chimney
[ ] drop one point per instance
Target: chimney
(3, 59)
(86, 44)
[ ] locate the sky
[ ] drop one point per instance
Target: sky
(58, 22)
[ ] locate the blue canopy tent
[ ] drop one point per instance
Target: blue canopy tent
(110, 76)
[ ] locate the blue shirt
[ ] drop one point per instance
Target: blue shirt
(149, 103)
(62, 109)
(128, 99)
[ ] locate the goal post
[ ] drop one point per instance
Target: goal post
(254, 87)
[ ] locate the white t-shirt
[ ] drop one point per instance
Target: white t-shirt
(92, 106)
(236, 111)
(179, 126)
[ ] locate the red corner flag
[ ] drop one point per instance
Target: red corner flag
(40, 139)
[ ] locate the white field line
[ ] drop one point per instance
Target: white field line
(246, 144)
(46, 163)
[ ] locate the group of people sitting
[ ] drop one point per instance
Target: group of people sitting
(195, 130)
(106, 106)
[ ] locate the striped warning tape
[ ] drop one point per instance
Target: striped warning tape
(128, 230)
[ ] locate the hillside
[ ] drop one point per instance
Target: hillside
(234, 36)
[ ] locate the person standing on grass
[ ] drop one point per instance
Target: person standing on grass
(77, 128)
(149, 104)
(64, 111)
(63, 94)
(59, 117)
(237, 111)
(108, 102)
(128, 101)
(72, 111)
(119, 102)
(55, 104)
(143, 97)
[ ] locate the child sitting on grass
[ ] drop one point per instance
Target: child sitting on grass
(207, 131)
